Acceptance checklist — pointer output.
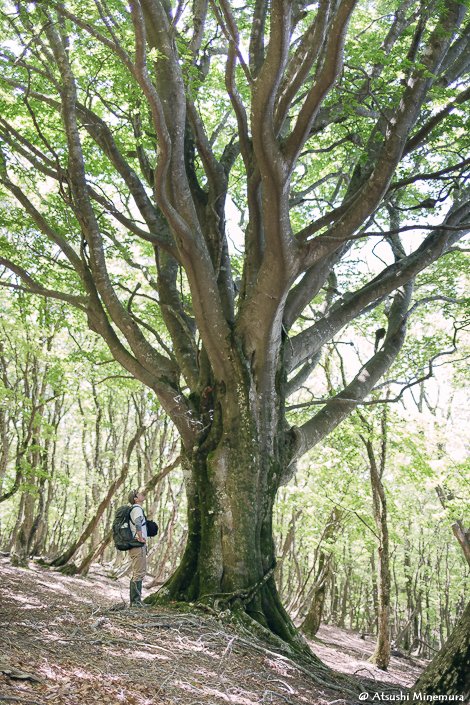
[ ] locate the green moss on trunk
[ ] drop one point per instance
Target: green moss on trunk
(449, 671)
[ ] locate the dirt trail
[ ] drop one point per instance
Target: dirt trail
(63, 644)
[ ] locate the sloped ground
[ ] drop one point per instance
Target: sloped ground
(68, 641)
(347, 652)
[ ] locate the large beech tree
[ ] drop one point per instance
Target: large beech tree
(131, 134)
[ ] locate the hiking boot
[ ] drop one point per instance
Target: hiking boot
(142, 604)
(136, 594)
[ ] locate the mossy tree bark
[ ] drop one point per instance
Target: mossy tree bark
(449, 671)
(232, 477)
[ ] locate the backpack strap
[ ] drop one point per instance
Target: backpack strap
(130, 511)
(130, 517)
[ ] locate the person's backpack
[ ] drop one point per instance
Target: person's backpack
(122, 532)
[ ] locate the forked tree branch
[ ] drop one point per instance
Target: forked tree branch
(340, 406)
(369, 195)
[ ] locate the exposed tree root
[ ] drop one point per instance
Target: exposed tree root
(249, 629)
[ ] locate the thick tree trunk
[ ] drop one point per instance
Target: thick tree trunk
(449, 672)
(229, 560)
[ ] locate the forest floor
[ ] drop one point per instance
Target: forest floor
(71, 641)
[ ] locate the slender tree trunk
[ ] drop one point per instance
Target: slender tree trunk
(334, 601)
(42, 462)
(4, 446)
(411, 609)
(21, 533)
(375, 591)
(37, 523)
(5, 416)
(313, 619)
(345, 597)
(287, 545)
(26, 523)
(39, 546)
(403, 633)
(94, 554)
(381, 655)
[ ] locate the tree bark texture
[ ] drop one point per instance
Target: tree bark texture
(449, 672)
(229, 559)
(461, 533)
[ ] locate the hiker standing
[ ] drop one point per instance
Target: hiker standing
(138, 555)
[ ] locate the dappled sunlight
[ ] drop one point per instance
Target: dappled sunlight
(282, 667)
(197, 647)
(79, 685)
(65, 590)
(238, 697)
(146, 652)
(354, 654)
(71, 652)
(26, 601)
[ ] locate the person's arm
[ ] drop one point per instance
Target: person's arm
(138, 526)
